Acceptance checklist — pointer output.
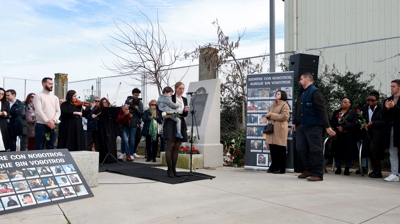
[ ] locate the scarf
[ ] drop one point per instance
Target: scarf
(153, 127)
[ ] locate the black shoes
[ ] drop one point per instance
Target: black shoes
(364, 169)
(154, 160)
(170, 175)
(269, 171)
(338, 170)
(346, 172)
(375, 174)
(278, 172)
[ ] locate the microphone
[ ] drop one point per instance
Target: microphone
(190, 93)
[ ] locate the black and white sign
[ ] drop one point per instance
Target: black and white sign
(37, 178)
(261, 89)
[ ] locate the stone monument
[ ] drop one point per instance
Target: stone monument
(60, 85)
(206, 104)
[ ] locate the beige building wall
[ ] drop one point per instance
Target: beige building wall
(353, 35)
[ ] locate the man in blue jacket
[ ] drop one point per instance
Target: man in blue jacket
(309, 121)
(15, 118)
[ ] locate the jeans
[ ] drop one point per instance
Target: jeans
(394, 157)
(40, 138)
(310, 148)
(13, 143)
(128, 140)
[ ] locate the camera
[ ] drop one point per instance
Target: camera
(131, 101)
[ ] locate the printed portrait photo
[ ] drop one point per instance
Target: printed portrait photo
(252, 105)
(49, 182)
(288, 91)
(42, 196)
(62, 180)
(69, 168)
(57, 170)
(251, 131)
(256, 144)
(44, 171)
(10, 202)
(262, 159)
(36, 184)
(4, 176)
(27, 199)
(30, 172)
(252, 118)
(68, 192)
(74, 178)
(15, 174)
(262, 119)
(80, 190)
(55, 194)
(6, 188)
(21, 186)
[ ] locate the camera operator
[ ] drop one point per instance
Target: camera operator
(129, 129)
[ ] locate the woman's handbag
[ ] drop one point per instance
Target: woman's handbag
(269, 128)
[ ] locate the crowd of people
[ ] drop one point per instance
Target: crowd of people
(371, 124)
(43, 121)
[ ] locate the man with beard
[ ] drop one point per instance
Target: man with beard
(47, 111)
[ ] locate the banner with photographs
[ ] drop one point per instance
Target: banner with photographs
(261, 89)
(30, 179)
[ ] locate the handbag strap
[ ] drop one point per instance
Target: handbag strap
(280, 110)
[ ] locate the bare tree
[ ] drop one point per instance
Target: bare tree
(232, 71)
(144, 53)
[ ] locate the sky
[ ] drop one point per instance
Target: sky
(42, 37)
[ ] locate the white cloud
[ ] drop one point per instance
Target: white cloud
(43, 37)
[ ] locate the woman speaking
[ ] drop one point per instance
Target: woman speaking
(169, 130)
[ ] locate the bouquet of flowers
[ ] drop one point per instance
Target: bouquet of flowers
(190, 139)
(55, 130)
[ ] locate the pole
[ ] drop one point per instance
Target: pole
(272, 35)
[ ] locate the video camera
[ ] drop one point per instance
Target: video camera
(131, 101)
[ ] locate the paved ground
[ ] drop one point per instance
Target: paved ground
(234, 196)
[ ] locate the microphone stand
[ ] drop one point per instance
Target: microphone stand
(194, 123)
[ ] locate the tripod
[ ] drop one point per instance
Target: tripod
(109, 154)
(194, 123)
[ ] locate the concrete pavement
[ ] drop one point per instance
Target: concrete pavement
(234, 196)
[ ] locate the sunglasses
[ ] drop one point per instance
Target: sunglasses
(368, 100)
(96, 101)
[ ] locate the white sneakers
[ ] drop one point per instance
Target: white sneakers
(121, 156)
(392, 178)
(136, 155)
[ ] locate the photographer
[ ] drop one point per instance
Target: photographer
(129, 129)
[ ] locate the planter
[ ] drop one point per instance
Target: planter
(184, 161)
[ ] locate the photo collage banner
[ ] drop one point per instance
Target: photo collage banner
(261, 89)
(30, 179)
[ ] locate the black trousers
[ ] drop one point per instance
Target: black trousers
(92, 139)
(151, 147)
(278, 156)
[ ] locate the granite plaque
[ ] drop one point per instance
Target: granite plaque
(197, 103)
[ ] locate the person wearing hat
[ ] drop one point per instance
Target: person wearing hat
(373, 126)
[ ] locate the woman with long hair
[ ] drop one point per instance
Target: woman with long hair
(107, 133)
(4, 112)
(71, 130)
(30, 119)
(278, 114)
(344, 146)
(169, 130)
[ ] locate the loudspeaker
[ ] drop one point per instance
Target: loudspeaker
(301, 63)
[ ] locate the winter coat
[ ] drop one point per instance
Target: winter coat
(280, 121)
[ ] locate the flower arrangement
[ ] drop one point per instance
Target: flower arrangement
(190, 140)
(186, 150)
(55, 130)
(341, 119)
(234, 152)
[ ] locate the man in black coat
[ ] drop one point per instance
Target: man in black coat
(391, 113)
(15, 118)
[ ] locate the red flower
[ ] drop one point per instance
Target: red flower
(337, 116)
(358, 110)
(237, 150)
